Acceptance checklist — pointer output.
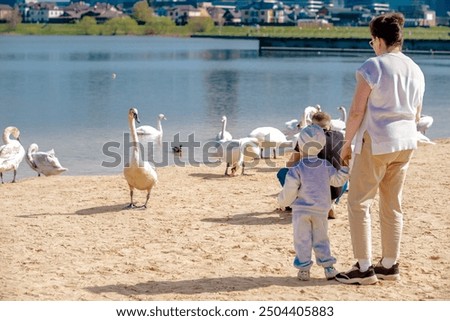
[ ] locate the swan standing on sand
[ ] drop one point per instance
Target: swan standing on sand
(249, 151)
(11, 153)
(139, 174)
(236, 151)
(268, 137)
(151, 133)
(44, 163)
(223, 134)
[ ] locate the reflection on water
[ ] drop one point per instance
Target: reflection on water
(61, 93)
(221, 93)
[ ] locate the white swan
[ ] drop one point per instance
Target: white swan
(424, 123)
(339, 124)
(268, 138)
(44, 163)
(291, 128)
(151, 133)
(308, 112)
(236, 152)
(139, 174)
(11, 153)
(249, 151)
(223, 134)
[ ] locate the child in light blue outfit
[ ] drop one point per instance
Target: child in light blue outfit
(307, 191)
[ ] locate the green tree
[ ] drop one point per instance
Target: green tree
(159, 26)
(121, 26)
(88, 25)
(142, 12)
(200, 24)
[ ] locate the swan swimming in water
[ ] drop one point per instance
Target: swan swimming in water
(223, 134)
(151, 133)
(139, 174)
(44, 163)
(11, 153)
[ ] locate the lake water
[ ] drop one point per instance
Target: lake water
(61, 93)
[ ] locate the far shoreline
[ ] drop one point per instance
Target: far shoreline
(337, 45)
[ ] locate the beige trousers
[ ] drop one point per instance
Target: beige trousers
(385, 173)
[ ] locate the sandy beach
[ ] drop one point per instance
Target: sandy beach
(204, 237)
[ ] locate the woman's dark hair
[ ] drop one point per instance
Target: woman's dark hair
(389, 27)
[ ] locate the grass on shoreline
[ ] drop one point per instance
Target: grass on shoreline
(434, 33)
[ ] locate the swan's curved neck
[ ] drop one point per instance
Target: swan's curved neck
(6, 135)
(224, 126)
(344, 115)
(134, 142)
(159, 125)
(33, 149)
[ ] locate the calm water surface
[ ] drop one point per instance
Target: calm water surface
(60, 92)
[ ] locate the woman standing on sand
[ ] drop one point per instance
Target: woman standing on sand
(386, 106)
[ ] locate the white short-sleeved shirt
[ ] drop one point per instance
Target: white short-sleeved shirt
(398, 86)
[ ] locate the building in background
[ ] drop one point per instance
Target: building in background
(6, 12)
(365, 3)
(311, 5)
(337, 3)
(337, 12)
(442, 7)
(60, 3)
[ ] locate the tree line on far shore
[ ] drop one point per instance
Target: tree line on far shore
(142, 21)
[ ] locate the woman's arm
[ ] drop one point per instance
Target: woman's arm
(356, 114)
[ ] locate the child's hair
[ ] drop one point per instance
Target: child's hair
(322, 119)
(389, 27)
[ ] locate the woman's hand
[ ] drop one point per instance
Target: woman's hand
(346, 153)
